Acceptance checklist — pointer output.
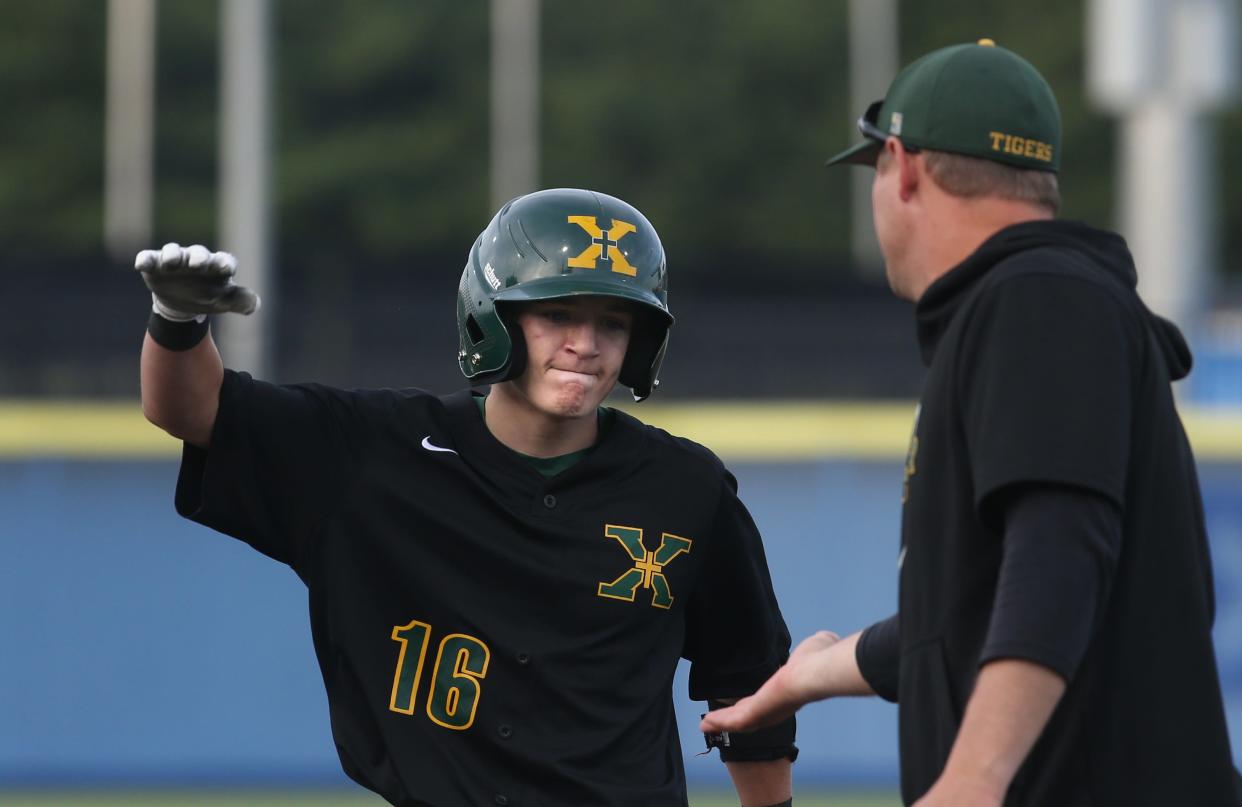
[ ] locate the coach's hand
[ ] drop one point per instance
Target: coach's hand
(188, 281)
(807, 676)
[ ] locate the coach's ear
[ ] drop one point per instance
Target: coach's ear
(908, 167)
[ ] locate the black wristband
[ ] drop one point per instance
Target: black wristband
(786, 803)
(760, 745)
(178, 336)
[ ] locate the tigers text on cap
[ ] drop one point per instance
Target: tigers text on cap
(974, 99)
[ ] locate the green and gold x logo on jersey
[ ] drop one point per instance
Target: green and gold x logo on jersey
(648, 566)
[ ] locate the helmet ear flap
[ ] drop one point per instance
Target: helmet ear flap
(648, 343)
(483, 337)
(517, 344)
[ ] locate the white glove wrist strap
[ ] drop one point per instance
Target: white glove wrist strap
(172, 314)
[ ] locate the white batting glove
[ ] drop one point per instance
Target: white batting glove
(187, 282)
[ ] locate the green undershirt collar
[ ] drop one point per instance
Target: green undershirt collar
(551, 466)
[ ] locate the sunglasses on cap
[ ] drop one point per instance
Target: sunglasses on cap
(867, 126)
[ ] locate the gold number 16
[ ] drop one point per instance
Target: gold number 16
(461, 663)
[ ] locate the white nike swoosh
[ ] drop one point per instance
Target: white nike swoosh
(428, 445)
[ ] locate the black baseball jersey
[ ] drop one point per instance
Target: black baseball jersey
(488, 635)
(1045, 368)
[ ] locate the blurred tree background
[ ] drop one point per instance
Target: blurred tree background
(714, 118)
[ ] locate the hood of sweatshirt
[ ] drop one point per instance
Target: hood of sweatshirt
(1107, 252)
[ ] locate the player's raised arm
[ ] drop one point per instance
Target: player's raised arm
(181, 369)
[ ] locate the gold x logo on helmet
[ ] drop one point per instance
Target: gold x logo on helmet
(599, 240)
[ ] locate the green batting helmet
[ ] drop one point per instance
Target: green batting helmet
(562, 243)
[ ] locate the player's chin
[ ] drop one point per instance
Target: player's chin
(575, 399)
(572, 400)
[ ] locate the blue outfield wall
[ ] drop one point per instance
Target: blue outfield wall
(137, 648)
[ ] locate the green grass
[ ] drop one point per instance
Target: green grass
(807, 799)
(351, 799)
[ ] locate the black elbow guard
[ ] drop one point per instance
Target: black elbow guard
(761, 745)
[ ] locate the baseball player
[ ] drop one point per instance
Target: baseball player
(501, 582)
(1053, 641)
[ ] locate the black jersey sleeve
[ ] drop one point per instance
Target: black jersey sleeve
(878, 655)
(1045, 385)
(735, 634)
(1060, 556)
(278, 463)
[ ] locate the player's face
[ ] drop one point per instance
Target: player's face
(574, 350)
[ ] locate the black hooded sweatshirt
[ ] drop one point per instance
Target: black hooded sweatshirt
(1047, 429)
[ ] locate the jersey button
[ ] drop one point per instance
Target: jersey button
(523, 659)
(549, 501)
(505, 731)
(501, 799)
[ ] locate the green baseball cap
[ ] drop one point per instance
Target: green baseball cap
(974, 99)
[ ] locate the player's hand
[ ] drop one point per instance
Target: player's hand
(187, 281)
(790, 688)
